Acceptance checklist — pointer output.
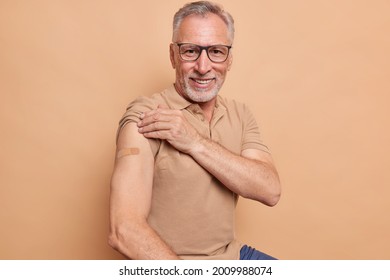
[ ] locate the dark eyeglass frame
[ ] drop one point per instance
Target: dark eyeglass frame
(201, 48)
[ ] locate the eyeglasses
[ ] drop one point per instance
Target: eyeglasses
(191, 52)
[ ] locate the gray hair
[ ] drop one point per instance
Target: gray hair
(202, 8)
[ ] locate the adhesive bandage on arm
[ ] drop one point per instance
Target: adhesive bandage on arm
(127, 152)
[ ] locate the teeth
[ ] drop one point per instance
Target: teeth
(203, 82)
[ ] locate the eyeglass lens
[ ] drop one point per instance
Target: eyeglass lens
(191, 52)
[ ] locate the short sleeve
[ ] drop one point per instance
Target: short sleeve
(132, 114)
(251, 135)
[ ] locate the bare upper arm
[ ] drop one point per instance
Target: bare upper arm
(258, 155)
(265, 158)
(132, 179)
(271, 188)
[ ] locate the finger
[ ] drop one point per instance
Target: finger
(160, 134)
(159, 109)
(155, 126)
(155, 118)
(150, 114)
(162, 106)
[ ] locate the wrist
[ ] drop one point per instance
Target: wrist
(198, 146)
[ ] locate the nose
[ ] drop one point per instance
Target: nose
(203, 63)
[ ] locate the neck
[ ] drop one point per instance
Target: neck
(207, 107)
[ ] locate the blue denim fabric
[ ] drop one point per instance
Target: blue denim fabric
(249, 253)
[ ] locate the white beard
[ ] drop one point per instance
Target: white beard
(200, 95)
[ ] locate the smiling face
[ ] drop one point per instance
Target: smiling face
(200, 81)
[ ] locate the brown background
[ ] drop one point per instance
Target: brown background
(315, 73)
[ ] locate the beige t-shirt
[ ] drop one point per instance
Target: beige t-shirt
(191, 210)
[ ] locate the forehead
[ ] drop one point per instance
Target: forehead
(203, 30)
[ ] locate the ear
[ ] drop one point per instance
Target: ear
(172, 55)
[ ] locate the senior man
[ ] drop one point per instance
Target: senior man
(185, 155)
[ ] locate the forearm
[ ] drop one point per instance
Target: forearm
(250, 174)
(250, 178)
(139, 241)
